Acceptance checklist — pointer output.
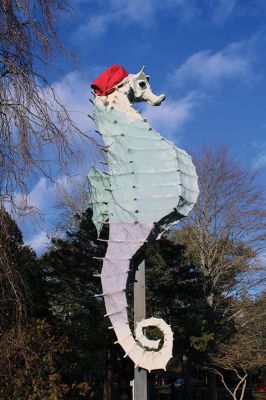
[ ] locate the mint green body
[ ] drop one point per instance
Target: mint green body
(148, 180)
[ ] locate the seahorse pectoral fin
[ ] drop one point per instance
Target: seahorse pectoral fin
(188, 192)
(188, 183)
(98, 183)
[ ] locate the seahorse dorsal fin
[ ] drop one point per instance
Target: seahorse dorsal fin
(141, 72)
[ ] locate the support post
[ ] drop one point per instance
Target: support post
(140, 375)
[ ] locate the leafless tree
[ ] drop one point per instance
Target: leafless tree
(245, 351)
(37, 134)
(72, 202)
(33, 121)
(227, 230)
(225, 235)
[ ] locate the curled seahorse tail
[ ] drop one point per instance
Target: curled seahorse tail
(124, 241)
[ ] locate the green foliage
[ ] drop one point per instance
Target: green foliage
(35, 367)
(36, 356)
(69, 267)
(201, 343)
(38, 368)
(64, 344)
(178, 291)
(22, 282)
(175, 292)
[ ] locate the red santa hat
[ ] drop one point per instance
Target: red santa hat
(105, 83)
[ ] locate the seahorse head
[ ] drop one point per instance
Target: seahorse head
(139, 89)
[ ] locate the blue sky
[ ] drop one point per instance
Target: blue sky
(207, 56)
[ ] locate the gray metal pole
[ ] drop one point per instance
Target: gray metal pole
(140, 375)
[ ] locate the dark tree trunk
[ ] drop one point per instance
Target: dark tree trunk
(108, 376)
(211, 320)
(125, 374)
(212, 389)
(188, 385)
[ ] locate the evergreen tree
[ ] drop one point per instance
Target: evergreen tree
(31, 355)
(177, 290)
(69, 267)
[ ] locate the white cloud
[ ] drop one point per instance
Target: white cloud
(44, 198)
(222, 11)
(39, 198)
(171, 116)
(99, 16)
(36, 212)
(209, 69)
(39, 242)
(39, 207)
(260, 161)
(44, 195)
(147, 12)
(119, 11)
(74, 93)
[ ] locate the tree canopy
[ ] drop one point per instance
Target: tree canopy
(198, 280)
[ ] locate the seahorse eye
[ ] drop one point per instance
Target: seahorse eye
(142, 84)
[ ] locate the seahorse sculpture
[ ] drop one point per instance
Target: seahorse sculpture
(149, 186)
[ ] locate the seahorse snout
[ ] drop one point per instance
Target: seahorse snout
(155, 100)
(161, 98)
